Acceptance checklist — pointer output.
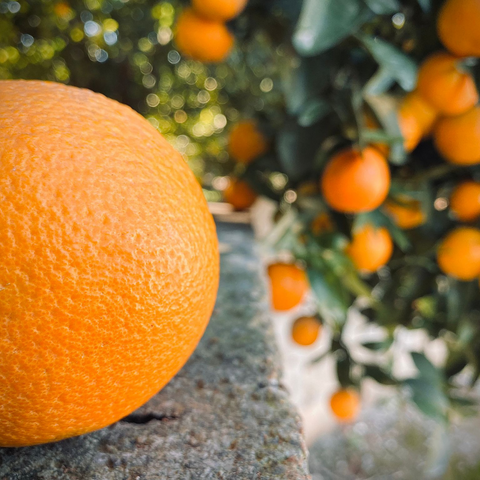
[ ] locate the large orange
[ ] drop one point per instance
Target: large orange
(355, 181)
(246, 142)
(370, 248)
(288, 284)
(202, 39)
(345, 404)
(465, 201)
(458, 138)
(221, 10)
(459, 253)
(458, 26)
(416, 118)
(443, 84)
(239, 194)
(406, 212)
(109, 265)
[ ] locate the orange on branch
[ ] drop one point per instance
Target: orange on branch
(459, 253)
(416, 118)
(445, 85)
(407, 213)
(221, 10)
(345, 404)
(288, 285)
(239, 194)
(201, 39)
(246, 142)
(465, 201)
(458, 138)
(305, 331)
(458, 27)
(106, 240)
(370, 248)
(355, 181)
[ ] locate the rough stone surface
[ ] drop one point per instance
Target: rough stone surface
(224, 416)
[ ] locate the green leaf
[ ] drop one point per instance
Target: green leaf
(313, 112)
(425, 5)
(333, 299)
(324, 23)
(378, 346)
(379, 375)
(427, 370)
(297, 147)
(392, 60)
(383, 7)
(380, 82)
(428, 397)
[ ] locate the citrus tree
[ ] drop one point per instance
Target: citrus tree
(368, 141)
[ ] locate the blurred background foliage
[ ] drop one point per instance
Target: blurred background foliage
(308, 72)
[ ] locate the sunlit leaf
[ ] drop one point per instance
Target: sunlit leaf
(323, 23)
(399, 65)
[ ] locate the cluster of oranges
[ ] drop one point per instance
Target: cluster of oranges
(201, 33)
(289, 284)
(245, 143)
(444, 105)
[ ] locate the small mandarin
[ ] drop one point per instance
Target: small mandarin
(345, 404)
(246, 142)
(458, 138)
(305, 331)
(221, 10)
(458, 27)
(370, 248)
(355, 181)
(465, 201)
(202, 39)
(445, 86)
(288, 283)
(459, 253)
(416, 118)
(239, 194)
(406, 212)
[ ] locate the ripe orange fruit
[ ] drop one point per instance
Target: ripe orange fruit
(370, 248)
(355, 181)
(221, 10)
(202, 39)
(443, 84)
(246, 142)
(239, 194)
(416, 118)
(458, 27)
(465, 201)
(288, 283)
(106, 240)
(345, 404)
(458, 138)
(305, 330)
(407, 213)
(459, 253)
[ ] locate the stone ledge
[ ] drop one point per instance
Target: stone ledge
(224, 416)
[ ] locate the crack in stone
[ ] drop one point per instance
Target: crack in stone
(143, 419)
